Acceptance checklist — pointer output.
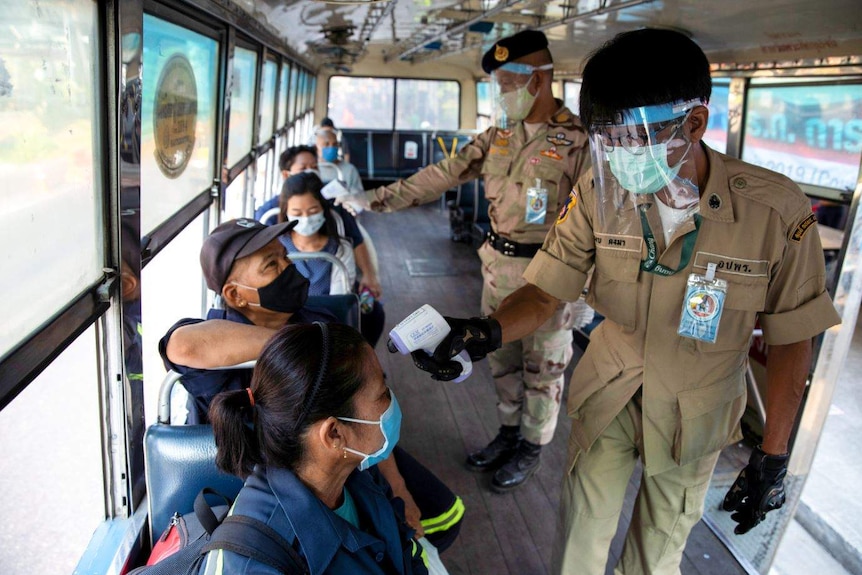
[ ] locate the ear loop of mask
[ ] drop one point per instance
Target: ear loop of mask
(321, 374)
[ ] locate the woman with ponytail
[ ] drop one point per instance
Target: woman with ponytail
(306, 436)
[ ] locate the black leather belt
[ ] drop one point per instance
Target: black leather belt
(512, 248)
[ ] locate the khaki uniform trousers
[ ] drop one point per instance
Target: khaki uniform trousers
(668, 506)
(529, 373)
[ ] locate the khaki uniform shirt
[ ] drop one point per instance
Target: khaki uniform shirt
(758, 228)
(510, 162)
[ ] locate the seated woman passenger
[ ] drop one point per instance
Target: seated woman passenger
(322, 419)
(320, 228)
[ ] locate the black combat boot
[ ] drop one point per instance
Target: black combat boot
(518, 469)
(499, 450)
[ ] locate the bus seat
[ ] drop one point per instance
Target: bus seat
(179, 461)
(481, 222)
(372, 251)
(462, 212)
(344, 307)
(270, 217)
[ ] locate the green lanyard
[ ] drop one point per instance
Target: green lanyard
(650, 264)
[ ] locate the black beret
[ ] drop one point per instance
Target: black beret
(514, 47)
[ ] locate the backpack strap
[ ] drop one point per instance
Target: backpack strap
(252, 538)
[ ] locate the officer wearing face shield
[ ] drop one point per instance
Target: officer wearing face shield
(688, 249)
(529, 160)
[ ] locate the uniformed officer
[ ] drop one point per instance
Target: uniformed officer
(529, 161)
(689, 248)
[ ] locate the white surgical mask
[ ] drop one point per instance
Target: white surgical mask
(518, 103)
(308, 225)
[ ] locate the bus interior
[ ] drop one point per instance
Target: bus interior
(131, 128)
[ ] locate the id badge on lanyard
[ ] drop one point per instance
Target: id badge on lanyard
(537, 204)
(702, 306)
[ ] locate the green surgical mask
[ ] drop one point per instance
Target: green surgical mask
(645, 172)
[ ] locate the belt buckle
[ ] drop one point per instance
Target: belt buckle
(509, 249)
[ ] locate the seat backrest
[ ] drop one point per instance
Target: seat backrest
(180, 461)
(344, 307)
(270, 217)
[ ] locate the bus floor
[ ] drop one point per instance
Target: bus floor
(501, 534)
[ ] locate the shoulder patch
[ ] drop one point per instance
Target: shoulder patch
(570, 204)
(803, 227)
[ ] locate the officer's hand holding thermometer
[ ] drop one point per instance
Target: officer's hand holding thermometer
(445, 346)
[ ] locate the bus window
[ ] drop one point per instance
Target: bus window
(483, 105)
(51, 469)
(52, 193)
(716, 129)
(427, 105)
(362, 102)
(267, 101)
(178, 122)
(241, 104)
(281, 120)
(811, 133)
(572, 95)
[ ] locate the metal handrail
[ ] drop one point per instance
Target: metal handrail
(172, 377)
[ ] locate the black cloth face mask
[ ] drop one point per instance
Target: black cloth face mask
(286, 294)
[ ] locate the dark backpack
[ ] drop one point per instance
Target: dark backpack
(196, 534)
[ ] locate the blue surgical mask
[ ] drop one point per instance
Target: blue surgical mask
(330, 153)
(645, 172)
(390, 427)
(308, 225)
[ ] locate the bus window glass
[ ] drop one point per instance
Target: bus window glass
(282, 95)
(361, 102)
(483, 106)
(810, 133)
(267, 100)
(51, 219)
(178, 119)
(171, 289)
(572, 95)
(427, 105)
(51, 469)
(234, 198)
(241, 105)
(291, 94)
(716, 129)
(263, 179)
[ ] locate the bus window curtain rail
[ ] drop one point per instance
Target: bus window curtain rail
(24, 363)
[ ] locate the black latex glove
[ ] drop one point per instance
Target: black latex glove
(478, 335)
(445, 370)
(758, 489)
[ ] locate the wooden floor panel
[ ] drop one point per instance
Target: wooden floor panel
(509, 534)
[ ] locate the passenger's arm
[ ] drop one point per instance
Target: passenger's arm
(389, 469)
(216, 343)
(786, 373)
(369, 274)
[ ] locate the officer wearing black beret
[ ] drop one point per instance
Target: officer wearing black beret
(513, 48)
(530, 160)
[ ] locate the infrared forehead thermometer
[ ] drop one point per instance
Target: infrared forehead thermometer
(424, 329)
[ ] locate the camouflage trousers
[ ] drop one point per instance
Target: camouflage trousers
(529, 373)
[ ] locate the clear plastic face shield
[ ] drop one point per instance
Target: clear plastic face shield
(510, 93)
(642, 158)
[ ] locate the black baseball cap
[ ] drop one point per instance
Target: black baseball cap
(233, 240)
(510, 49)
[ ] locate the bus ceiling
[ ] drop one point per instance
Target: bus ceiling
(338, 36)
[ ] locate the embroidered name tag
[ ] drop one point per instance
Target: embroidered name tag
(802, 227)
(732, 265)
(619, 242)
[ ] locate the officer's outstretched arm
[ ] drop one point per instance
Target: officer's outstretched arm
(523, 311)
